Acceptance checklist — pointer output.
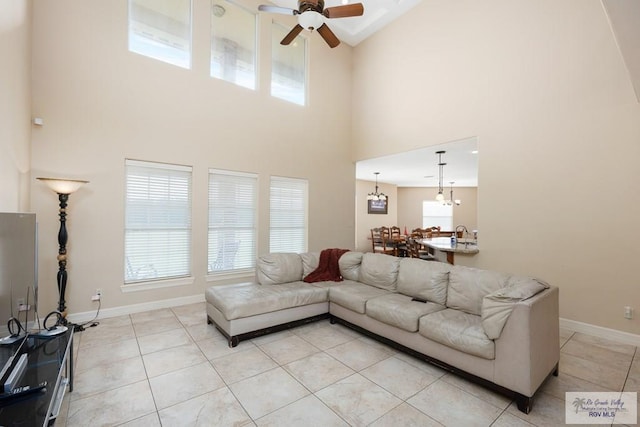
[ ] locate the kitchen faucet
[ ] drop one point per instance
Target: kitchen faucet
(466, 234)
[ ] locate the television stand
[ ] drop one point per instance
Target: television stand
(49, 362)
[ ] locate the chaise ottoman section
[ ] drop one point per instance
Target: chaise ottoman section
(400, 311)
(237, 310)
(251, 299)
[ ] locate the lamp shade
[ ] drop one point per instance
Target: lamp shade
(440, 197)
(63, 186)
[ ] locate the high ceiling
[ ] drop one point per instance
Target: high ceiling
(377, 14)
(419, 168)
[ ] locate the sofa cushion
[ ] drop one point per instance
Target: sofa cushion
(379, 270)
(354, 295)
(468, 286)
(246, 300)
(398, 310)
(277, 268)
(310, 261)
(458, 330)
(425, 280)
(350, 265)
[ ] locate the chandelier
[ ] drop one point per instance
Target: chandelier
(376, 195)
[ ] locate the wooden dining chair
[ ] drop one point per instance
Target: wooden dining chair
(415, 250)
(398, 240)
(380, 241)
(430, 232)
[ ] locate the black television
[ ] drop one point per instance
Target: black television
(18, 280)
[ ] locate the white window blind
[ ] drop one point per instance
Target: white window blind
(233, 198)
(288, 215)
(161, 29)
(288, 66)
(436, 214)
(157, 221)
(233, 44)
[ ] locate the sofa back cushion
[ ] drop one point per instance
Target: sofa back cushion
(310, 261)
(379, 270)
(349, 264)
(276, 268)
(468, 286)
(426, 280)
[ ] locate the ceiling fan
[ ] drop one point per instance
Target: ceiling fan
(311, 14)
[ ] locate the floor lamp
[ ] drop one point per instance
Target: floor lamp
(63, 187)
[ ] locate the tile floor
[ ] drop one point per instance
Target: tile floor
(169, 368)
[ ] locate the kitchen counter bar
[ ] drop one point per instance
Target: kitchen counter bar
(442, 247)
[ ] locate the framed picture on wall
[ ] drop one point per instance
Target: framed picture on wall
(377, 206)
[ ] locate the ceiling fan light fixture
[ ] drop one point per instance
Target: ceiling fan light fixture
(312, 16)
(310, 20)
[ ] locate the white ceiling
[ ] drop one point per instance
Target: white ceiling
(377, 14)
(419, 168)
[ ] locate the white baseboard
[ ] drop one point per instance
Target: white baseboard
(134, 308)
(598, 331)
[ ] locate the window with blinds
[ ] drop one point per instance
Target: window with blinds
(437, 214)
(233, 200)
(157, 221)
(288, 215)
(161, 29)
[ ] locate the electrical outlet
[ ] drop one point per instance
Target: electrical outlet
(22, 306)
(628, 312)
(97, 296)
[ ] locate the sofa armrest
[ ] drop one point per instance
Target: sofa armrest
(528, 349)
(498, 305)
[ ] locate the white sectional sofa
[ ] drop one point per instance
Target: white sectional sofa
(496, 329)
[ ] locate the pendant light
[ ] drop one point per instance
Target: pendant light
(376, 195)
(440, 195)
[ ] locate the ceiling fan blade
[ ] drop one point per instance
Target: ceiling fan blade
(356, 9)
(292, 35)
(276, 9)
(328, 36)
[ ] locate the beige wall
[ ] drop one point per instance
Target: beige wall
(544, 87)
(15, 104)
(541, 83)
(102, 104)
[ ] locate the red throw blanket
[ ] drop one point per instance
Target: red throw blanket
(328, 268)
